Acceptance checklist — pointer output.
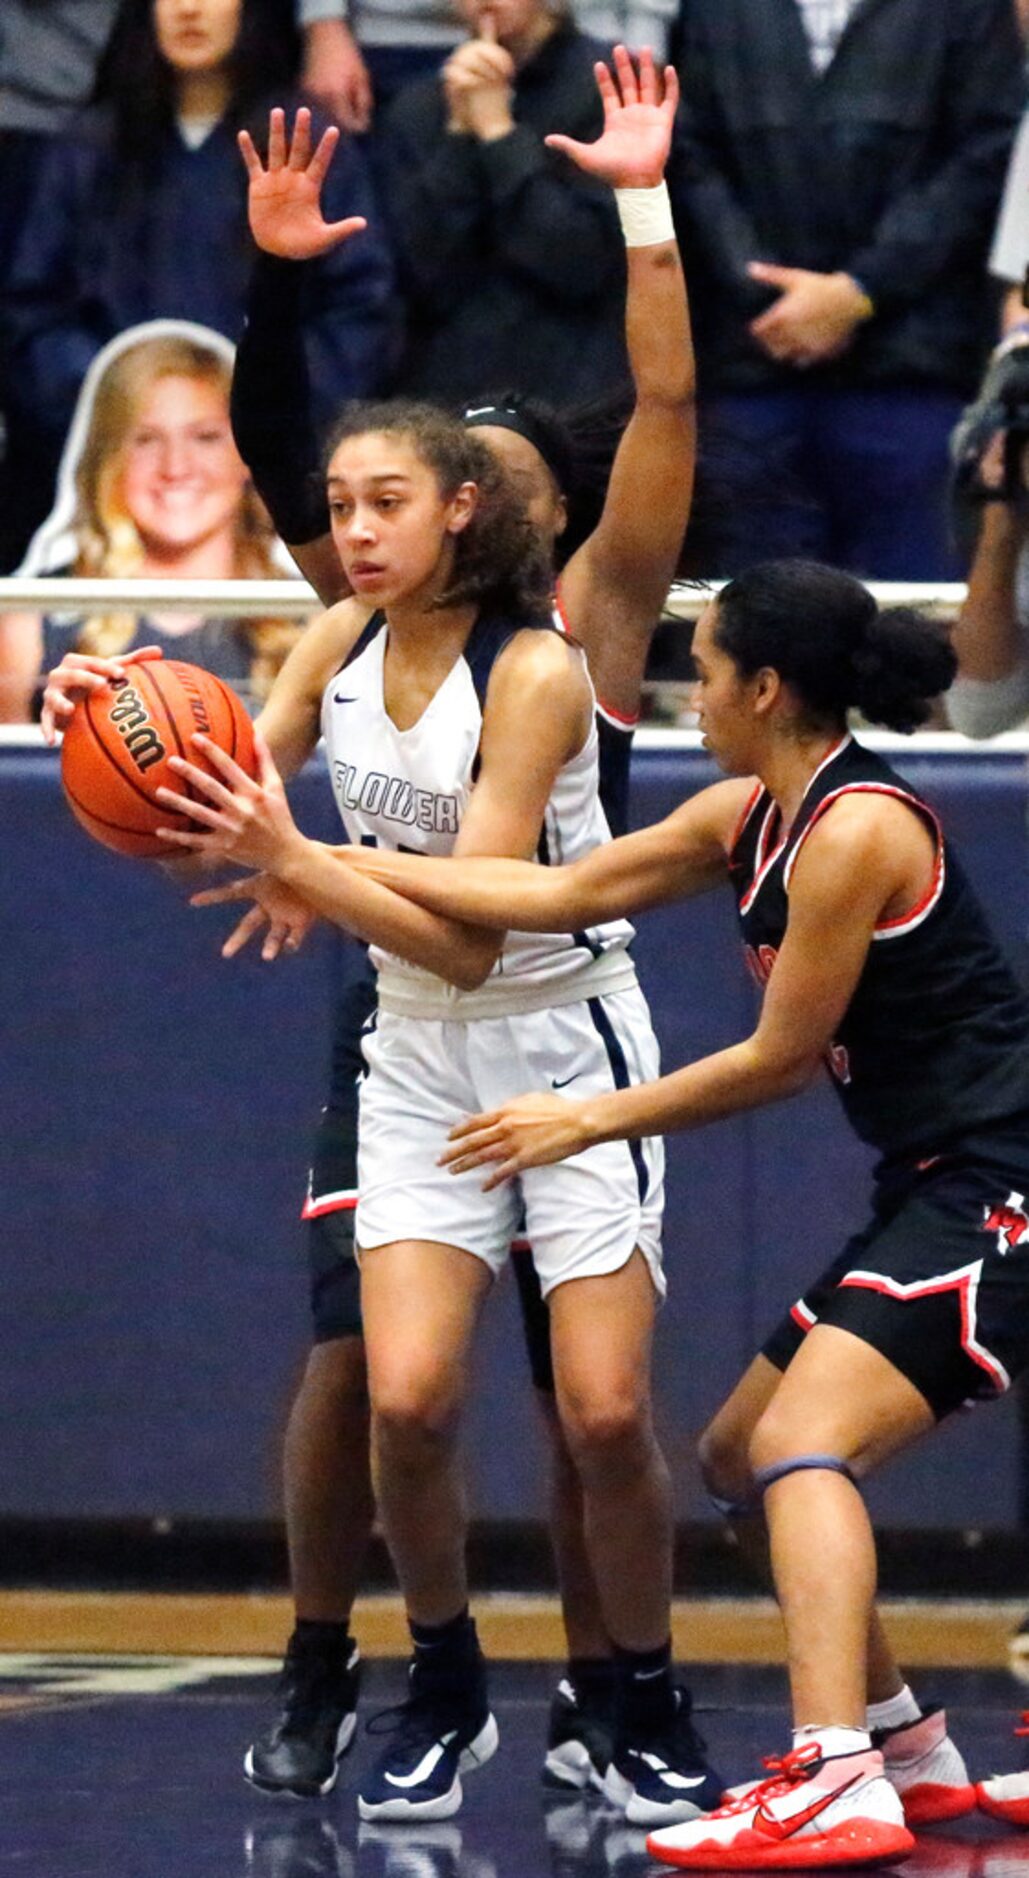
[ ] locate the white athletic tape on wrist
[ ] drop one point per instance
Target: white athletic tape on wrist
(645, 215)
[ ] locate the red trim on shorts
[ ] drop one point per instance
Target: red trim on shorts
(342, 1202)
(965, 1282)
(520, 1245)
(802, 1315)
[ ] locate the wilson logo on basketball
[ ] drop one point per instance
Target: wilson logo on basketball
(130, 715)
(197, 706)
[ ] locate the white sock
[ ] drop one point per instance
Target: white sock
(897, 1712)
(833, 1740)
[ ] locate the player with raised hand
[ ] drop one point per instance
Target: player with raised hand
(876, 962)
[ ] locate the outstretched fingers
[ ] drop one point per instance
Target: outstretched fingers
(625, 70)
(241, 889)
(318, 167)
(277, 139)
(241, 935)
(300, 149)
(566, 145)
(254, 166)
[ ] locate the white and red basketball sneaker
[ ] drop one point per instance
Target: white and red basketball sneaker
(809, 1811)
(923, 1764)
(1006, 1796)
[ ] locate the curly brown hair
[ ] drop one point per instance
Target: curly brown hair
(501, 563)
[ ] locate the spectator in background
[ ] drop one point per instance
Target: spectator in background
(1009, 255)
(50, 51)
(991, 637)
(839, 169)
(151, 485)
(370, 49)
(510, 259)
(140, 213)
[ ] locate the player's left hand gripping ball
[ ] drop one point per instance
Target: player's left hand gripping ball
(245, 819)
(531, 1131)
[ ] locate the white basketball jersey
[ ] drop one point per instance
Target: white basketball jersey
(408, 790)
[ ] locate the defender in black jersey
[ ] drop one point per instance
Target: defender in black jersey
(877, 963)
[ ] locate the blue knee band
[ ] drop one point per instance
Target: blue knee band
(766, 1477)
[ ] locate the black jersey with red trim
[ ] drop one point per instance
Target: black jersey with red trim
(934, 1043)
(615, 731)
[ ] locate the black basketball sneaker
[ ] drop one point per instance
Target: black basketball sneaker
(317, 1693)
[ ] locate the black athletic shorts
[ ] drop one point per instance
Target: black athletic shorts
(938, 1281)
(332, 1182)
(335, 1279)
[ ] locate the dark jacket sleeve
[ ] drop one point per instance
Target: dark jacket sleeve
(273, 418)
(348, 311)
(50, 335)
(547, 221)
(945, 218)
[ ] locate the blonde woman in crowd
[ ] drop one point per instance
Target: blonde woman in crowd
(151, 487)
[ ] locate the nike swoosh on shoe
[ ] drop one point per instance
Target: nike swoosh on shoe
(785, 1828)
(427, 1765)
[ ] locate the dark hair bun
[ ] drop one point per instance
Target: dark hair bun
(901, 663)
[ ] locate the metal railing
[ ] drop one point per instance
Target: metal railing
(295, 599)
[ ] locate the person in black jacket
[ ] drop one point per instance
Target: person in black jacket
(836, 191)
(509, 258)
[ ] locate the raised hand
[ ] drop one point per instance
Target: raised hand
(632, 150)
(284, 199)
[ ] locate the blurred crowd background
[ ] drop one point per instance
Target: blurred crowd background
(850, 184)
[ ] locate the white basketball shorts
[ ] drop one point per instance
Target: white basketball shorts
(584, 1216)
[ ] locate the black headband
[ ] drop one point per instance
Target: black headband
(552, 448)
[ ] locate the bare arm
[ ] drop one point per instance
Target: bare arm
(987, 637)
(21, 649)
(614, 586)
(674, 859)
(855, 868)
(290, 719)
(251, 822)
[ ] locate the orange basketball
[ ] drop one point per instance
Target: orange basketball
(116, 748)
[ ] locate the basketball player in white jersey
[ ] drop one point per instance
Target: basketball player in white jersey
(611, 589)
(460, 721)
